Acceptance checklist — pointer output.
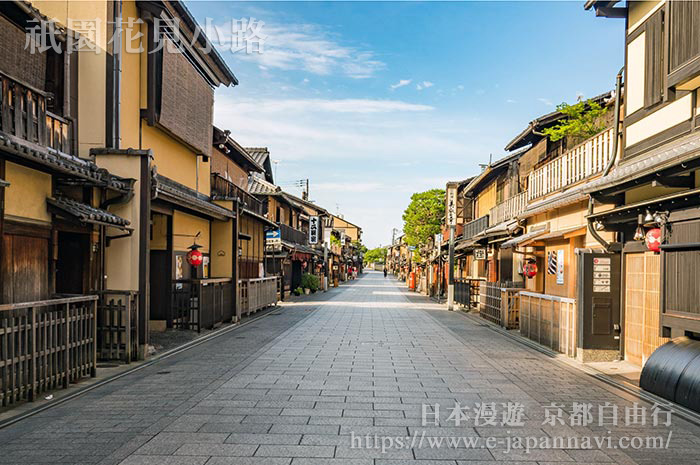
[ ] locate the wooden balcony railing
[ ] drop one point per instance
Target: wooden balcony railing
(475, 227)
(549, 320)
(581, 162)
(222, 188)
(258, 293)
(23, 114)
(118, 325)
(499, 303)
(292, 235)
(202, 303)
(45, 345)
(508, 209)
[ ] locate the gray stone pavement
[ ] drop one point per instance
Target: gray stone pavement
(314, 382)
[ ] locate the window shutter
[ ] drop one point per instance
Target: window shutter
(684, 33)
(653, 60)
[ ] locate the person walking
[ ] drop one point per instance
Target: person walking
(385, 272)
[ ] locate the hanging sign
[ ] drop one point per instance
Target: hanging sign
(480, 254)
(313, 229)
(451, 205)
(560, 267)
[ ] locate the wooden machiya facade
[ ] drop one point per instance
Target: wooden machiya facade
(56, 222)
(655, 186)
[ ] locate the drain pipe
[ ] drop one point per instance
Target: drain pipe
(613, 159)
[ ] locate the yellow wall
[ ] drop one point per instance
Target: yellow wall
(159, 232)
(222, 246)
(254, 247)
(185, 227)
(91, 65)
(175, 161)
(132, 79)
(486, 200)
(122, 256)
(27, 193)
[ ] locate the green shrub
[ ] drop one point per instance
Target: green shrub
(310, 281)
(298, 291)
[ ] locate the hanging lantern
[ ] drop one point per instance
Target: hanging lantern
(530, 269)
(653, 239)
(194, 256)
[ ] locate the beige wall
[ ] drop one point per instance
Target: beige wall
(27, 193)
(670, 115)
(634, 82)
(486, 200)
(640, 11)
(133, 79)
(159, 232)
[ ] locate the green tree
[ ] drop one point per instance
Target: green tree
(375, 255)
(361, 249)
(423, 216)
(581, 120)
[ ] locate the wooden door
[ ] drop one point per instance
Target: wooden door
(25, 268)
(642, 300)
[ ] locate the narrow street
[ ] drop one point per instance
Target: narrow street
(298, 384)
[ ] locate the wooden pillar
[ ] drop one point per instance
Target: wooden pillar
(236, 262)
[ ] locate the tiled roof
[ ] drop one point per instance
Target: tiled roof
(258, 186)
(259, 154)
(178, 194)
(64, 164)
(86, 213)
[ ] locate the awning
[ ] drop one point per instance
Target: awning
(502, 228)
(180, 195)
(86, 214)
(300, 248)
(564, 233)
(259, 217)
(667, 156)
(465, 244)
(629, 212)
(514, 242)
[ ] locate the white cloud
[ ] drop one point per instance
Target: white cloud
(424, 85)
(305, 47)
(401, 83)
(460, 87)
(510, 100)
(546, 101)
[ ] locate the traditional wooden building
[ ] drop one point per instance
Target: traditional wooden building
(654, 187)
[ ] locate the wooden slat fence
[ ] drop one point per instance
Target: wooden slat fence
(202, 303)
(549, 320)
(45, 345)
(117, 325)
(257, 293)
(467, 292)
(499, 303)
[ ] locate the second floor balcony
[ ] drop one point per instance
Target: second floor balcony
(292, 235)
(581, 162)
(223, 189)
(23, 115)
(508, 209)
(476, 226)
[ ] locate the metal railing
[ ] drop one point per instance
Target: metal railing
(23, 114)
(575, 165)
(202, 303)
(118, 325)
(222, 188)
(292, 235)
(508, 209)
(549, 320)
(476, 226)
(499, 303)
(257, 293)
(45, 345)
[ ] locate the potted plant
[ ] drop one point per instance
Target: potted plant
(309, 282)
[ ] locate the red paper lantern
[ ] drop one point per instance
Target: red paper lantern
(530, 269)
(653, 239)
(195, 257)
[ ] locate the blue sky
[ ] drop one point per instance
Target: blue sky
(373, 101)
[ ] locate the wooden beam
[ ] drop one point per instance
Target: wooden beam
(578, 232)
(674, 181)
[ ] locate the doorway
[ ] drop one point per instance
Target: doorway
(72, 263)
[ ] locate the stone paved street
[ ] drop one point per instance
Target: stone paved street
(294, 386)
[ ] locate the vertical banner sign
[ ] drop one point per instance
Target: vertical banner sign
(560, 267)
(451, 207)
(313, 229)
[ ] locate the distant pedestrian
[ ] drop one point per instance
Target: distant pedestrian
(385, 272)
